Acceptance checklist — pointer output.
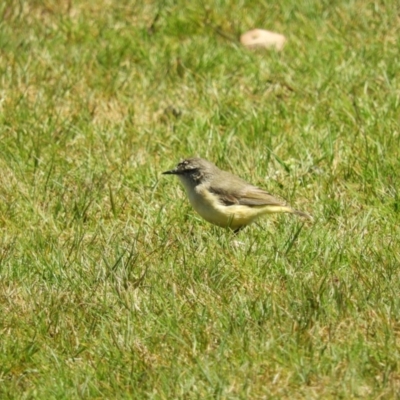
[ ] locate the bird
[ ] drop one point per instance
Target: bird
(224, 199)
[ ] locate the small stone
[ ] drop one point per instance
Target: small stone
(260, 38)
(237, 243)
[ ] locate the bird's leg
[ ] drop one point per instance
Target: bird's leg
(236, 231)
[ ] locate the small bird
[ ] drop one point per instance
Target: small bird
(225, 199)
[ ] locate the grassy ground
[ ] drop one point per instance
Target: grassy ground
(112, 287)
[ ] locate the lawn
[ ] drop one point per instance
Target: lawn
(111, 286)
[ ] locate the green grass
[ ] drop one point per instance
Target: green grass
(112, 287)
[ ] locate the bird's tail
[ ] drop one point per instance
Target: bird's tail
(303, 214)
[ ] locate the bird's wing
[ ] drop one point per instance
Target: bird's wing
(228, 198)
(254, 196)
(249, 196)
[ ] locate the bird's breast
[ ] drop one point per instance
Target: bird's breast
(205, 203)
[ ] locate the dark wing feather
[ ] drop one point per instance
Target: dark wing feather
(254, 196)
(228, 199)
(247, 195)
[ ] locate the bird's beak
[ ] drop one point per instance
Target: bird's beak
(171, 172)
